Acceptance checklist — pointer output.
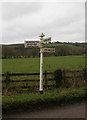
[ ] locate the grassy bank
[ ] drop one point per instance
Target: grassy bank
(31, 101)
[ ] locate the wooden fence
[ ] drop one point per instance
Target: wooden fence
(8, 81)
(70, 78)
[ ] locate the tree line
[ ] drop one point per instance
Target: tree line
(18, 51)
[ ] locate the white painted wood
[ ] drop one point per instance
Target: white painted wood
(31, 44)
(48, 50)
(41, 71)
(47, 39)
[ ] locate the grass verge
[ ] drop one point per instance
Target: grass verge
(31, 101)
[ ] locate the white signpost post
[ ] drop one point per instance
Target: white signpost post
(42, 50)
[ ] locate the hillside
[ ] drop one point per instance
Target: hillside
(61, 49)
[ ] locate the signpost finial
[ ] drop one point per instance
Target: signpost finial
(42, 35)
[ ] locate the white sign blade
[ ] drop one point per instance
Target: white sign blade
(47, 39)
(48, 49)
(31, 44)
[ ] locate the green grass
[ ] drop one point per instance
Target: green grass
(45, 96)
(32, 100)
(31, 65)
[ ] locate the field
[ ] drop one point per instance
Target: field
(25, 99)
(31, 65)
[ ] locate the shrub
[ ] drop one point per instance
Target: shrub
(58, 77)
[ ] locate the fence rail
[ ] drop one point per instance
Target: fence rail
(30, 80)
(22, 74)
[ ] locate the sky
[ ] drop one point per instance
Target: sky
(63, 21)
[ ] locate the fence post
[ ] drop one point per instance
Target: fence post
(85, 75)
(7, 80)
(74, 79)
(45, 79)
(64, 77)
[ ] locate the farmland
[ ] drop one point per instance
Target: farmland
(21, 98)
(31, 65)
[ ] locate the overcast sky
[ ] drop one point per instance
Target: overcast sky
(64, 22)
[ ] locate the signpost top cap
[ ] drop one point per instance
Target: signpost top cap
(42, 35)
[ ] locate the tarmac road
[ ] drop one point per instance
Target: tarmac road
(70, 111)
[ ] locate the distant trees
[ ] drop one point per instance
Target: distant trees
(0, 51)
(7, 51)
(18, 51)
(35, 52)
(62, 50)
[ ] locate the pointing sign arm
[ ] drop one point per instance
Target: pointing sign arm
(48, 50)
(31, 44)
(47, 39)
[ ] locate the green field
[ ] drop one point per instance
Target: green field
(31, 65)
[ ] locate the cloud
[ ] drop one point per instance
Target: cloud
(13, 10)
(61, 21)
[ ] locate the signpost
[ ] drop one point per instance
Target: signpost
(42, 50)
